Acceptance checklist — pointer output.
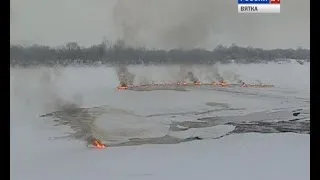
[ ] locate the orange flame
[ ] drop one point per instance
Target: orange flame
(98, 144)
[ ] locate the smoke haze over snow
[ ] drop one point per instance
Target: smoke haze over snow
(124, 76)
(175, 24)
(49, 90)
(190, 24)
(161, 24)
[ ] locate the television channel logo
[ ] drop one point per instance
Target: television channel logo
(258, 6)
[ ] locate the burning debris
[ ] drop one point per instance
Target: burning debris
(94, 142)
(125, 77)
(186, 77)
(191, 77)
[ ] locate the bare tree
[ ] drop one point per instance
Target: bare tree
(120, 53)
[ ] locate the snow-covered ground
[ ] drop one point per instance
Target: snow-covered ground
(131, 114)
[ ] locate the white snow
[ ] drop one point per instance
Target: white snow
(245, 156)
(208, 132)
(242, 156)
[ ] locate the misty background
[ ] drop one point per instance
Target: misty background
(165, 24)
(152, 31)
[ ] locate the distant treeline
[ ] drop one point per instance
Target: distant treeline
(119, 53)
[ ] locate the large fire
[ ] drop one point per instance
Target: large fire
(196, 83)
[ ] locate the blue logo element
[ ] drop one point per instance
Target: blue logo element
(253, 1)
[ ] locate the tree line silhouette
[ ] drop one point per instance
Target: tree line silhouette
(119, 53)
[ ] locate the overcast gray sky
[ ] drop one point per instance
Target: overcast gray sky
(158, 23)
